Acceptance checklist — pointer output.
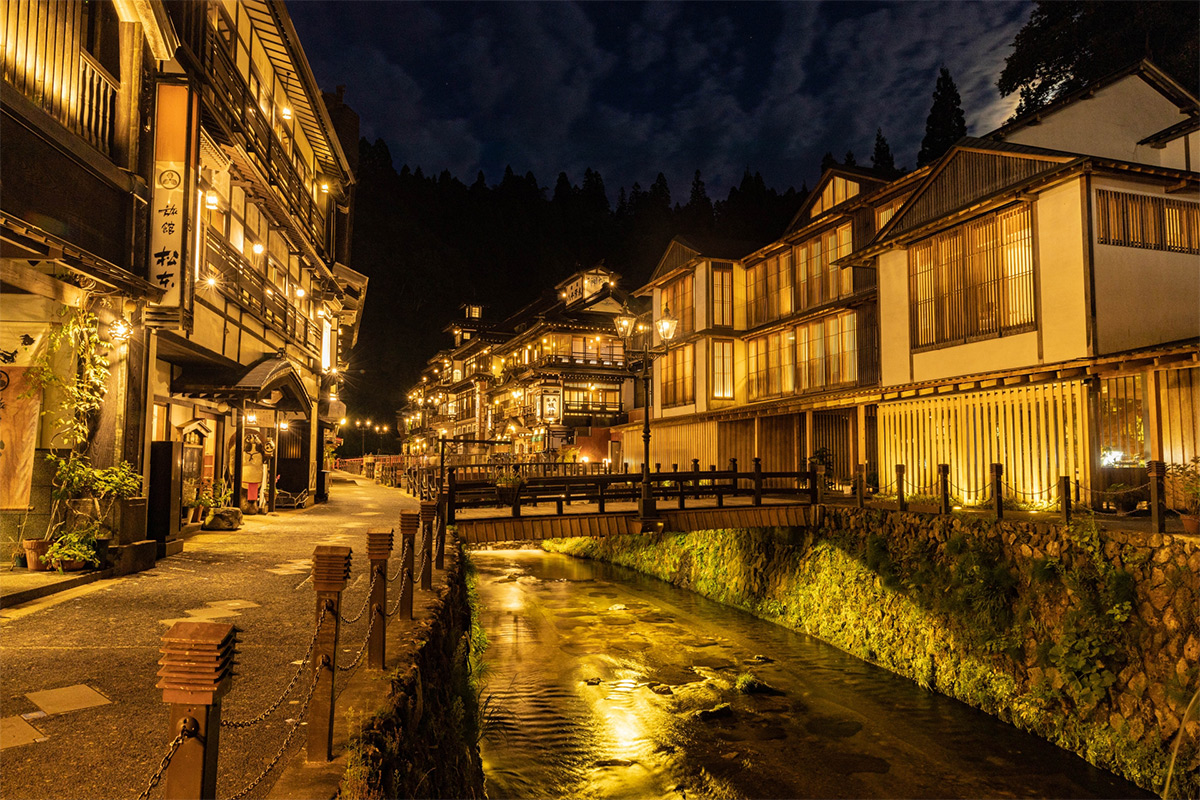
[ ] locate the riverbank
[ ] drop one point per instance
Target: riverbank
(1086, 638)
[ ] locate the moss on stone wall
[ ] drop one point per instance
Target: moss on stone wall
(423, 741)
(1087, 640)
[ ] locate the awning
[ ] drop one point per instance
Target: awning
(273, 382)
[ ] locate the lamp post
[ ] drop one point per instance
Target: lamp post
(628, 326)
(362, 430)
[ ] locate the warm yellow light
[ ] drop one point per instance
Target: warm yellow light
(283, 425)
(211, 281)
(286, 113)
(320, 312)
(342, 421)
(258, 248)
(324, 188)
(120, 330)
(251, 418)
(270, 293)
(211, 200)
(584, 459)
(300, 292)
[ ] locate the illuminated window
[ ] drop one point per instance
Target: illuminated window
(972, 281)
(722, 296)
(1151, 223)
(769, 290)
(722, 369)
(677, 297)
(678, 378)
(771, 365)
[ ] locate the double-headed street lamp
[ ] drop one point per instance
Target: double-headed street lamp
(629, 326)
(362, 429)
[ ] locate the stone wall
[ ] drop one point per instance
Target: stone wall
(423, 739)
(1088, 638)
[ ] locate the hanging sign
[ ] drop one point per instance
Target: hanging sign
(169, 210)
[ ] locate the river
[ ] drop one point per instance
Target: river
(605, 683)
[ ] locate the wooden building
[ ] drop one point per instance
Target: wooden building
(177, 164)
(1038, 297)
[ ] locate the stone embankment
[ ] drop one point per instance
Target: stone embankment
(422, 738)
(1089, 638)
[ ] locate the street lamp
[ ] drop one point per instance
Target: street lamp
(628, 326)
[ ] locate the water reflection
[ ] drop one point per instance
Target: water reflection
(605, 684)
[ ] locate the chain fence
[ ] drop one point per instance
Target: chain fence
(172, 746)
(295, 726)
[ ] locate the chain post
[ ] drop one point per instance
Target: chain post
(1158, 497)
(997, 476)
(1064, 498)
(331, 568)
(428, 523)
(943, 482)
(195, 672)
(379, 548)
(409, 522)
(860, 485)
(901, 500)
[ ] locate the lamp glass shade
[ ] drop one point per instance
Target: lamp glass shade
(667, 325)
(625, 323)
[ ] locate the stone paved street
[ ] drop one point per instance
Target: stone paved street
(105, 636)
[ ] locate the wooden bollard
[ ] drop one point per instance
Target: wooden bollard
(943, 473)
(428, 523)
(901, 500)
(758, 481)
(331, 568)
(195, 673)
(1064, 498)
(998, 490)
(860, 485)
(379, 549)
(409, 522)
(1157, 471)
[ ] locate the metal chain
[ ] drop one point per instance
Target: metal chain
(362, 648)
(403, 557)
(236, 724)
(1020, 493)
(366, 600)
(162, 766)
(286, 739)
(403, 586)
(1119, 493)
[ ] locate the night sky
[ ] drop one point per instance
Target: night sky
(632, 89)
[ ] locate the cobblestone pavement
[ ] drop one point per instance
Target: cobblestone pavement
(106, 636)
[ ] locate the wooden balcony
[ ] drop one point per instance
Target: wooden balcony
(238, 280)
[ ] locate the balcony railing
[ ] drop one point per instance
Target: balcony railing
(230, 93)
(97, 104)
(237, 280)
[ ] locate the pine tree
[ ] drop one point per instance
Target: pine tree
(946, 123)
(882, 159)
(850, 160)
(828, 161)
(698, 213)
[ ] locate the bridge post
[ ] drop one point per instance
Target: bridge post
(943, 488)
(758, 481)
(1158, 496)
(516, 503)
(696, 478)
(901, 500)
(814, 496)
(678, 484)
(600, 496)
(716, 486)
(819, 485)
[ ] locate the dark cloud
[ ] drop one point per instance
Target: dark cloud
(633, 89)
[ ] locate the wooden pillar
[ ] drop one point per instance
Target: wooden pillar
(195, 673)
(428, 523)
(1158, 497)
(1153, 415)
(943, 481)
(379, 548)
(997, 478)
(409, 522)
(810, 435)
(331, 568)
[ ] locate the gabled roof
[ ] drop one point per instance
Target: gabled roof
(972, 170)
(683, 249)
(1144, 69)
(857, 174)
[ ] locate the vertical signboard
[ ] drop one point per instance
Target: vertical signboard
(550, 406)
(171, 206)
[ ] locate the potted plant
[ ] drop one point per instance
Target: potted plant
(82, 494)
(1183, 491)
(220, 514)
(508, 485)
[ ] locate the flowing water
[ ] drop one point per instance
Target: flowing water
(606, 683)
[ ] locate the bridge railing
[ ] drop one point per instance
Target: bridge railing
(514, 490)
